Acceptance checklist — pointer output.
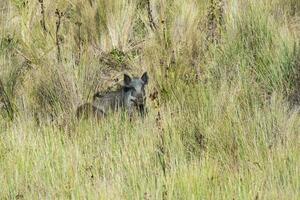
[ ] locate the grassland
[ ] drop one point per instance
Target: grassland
(223, 99)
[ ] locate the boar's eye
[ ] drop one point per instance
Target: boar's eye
(127, 89)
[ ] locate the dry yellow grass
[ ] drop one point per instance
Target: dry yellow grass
(224, 123)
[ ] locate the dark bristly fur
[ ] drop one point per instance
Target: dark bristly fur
(131, 97)
(87, 110)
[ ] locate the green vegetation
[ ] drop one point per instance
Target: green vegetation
(224, 95)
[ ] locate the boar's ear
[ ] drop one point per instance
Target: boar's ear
(145, 78)
(127, 79)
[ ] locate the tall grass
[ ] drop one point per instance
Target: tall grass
(223, 99)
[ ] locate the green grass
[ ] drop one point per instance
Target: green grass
(225, 123)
